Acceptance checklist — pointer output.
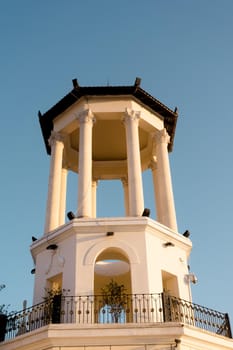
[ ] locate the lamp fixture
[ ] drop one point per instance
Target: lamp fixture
(33, 271)
(192, 278)
(52, 247)
(177, 341)
(169, 244)
(186, 234)
(110, 233)
(71, 215)
(146, 212)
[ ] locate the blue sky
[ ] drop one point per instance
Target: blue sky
(182, 50)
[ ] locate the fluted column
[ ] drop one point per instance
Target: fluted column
(56, 142)
(164, 198)
(131, 121)
(64, 173)
(126, 195)
(86, 120)
(94, 189)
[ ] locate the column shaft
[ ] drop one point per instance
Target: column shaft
(94, 188)
(165, 201)
(136, 202)
(157, 194)
(54, 188)
(85, 164)
(126, 196)
(63, 196)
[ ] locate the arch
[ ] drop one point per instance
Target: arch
(112, 272)
(96, 249)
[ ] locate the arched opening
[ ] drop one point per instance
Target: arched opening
(112, 284)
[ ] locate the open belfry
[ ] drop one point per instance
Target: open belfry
(112, 283)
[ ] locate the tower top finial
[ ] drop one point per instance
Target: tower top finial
(75, 83)
(137, 82)
(176, 111)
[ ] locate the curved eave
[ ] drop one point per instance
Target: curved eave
(46, 119)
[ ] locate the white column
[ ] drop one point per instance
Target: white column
(94, 188)
(136, 202)
(86, 120)
(63, 196)
(54, 188)
(157, 195)
(165, 201)
(126, 195)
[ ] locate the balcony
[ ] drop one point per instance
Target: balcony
(129, 308)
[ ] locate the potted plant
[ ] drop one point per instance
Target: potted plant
(3, 317)
(53, 307)
(114, 298)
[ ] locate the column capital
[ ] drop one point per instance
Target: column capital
(86, 116)
(161, 136)
(56, 136)
(131, 115)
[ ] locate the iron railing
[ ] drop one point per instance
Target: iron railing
(131, 308)
(178, 310)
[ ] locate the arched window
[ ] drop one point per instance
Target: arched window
(112, 268)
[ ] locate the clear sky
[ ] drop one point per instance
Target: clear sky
(183, 51)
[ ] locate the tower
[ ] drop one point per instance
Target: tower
(113, 282)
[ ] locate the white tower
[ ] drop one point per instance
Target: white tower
(116, 282)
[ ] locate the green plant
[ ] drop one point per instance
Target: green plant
(3, 317)
(53, 300)
(3, 307)
(50, 293)
(114, 296)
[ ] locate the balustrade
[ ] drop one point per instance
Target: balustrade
(130, 308)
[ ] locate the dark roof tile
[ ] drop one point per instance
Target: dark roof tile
(46, 119)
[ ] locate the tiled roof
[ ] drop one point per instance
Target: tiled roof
(46, 119)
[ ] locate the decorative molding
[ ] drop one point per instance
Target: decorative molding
(98, 248)
(56, 136)
(86, 116)
(60, 261)
(131, 116)
(162, 136)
